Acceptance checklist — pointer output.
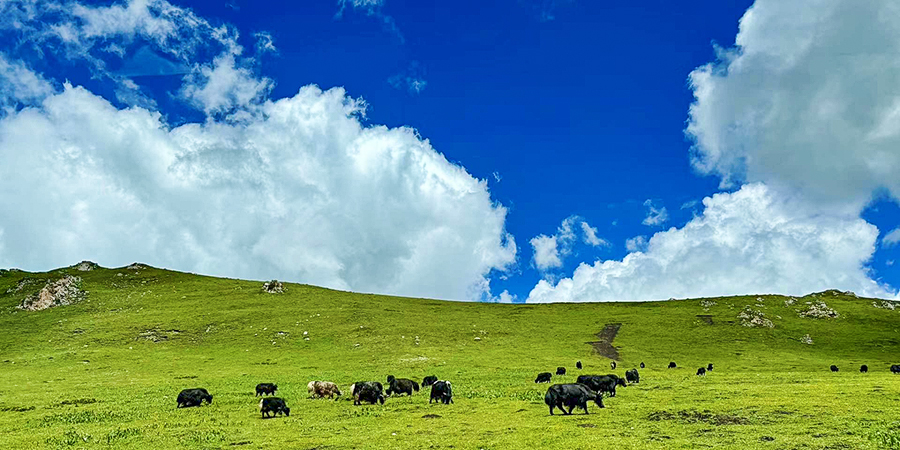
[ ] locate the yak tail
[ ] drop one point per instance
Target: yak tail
(416, 386)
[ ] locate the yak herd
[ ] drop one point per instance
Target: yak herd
(566, 397)
(588, 388)
(362, 391)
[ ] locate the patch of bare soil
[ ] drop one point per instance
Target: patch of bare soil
(16, 408)
(707, 318)
(64, 291)
(604, 346)
(693, 416)
(156, 335)
(78, 402)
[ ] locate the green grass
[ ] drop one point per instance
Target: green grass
(90, 375)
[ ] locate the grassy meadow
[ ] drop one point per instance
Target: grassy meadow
(104, 372)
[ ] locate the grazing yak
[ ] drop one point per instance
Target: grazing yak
(864, 368)
(672, 365)
(397, 386)
(193, 397)
(274, 405)
(560, 370)
(578, 365)
(601, 384)
(266, 388)
(429, 380)
(367, 391)
(709, 367)
(612, 364)
(441, 391)
(632, 376)
(834, 368)
(895, 368)
(543, 377)
(572, 396)
(701, 371)
(322, 389)
(642, 364)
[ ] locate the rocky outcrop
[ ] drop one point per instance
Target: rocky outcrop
(64, 291)
(752, 318)
(86, 266)
(818, 310)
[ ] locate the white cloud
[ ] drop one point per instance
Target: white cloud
(411, 80)
(546, 252)
(505, 297)
(265, 42)
(749, 241)
(222, 86)
(636, 244)
(549, 251)
(371, 8)
(20, 85)
(96, 35)
(302, 192)
(590, 236)
(804, 109)
(891, 239)
(655, 215)
(808, 101)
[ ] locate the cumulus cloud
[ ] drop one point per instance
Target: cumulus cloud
(301, 192)
(803, 114)
(807, 100)
(636, 244)
(549, 251)
(546, 252)
(891, 239)
(655, 215)
(749, 241)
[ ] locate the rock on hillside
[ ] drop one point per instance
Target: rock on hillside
(64, 291)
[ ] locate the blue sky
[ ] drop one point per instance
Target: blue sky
(582, 129)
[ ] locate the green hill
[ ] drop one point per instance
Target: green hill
(104, 371)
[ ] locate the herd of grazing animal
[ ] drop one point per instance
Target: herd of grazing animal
(588, 388)
(565, 397)
(362, 391)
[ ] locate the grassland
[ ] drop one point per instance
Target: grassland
(104, 373)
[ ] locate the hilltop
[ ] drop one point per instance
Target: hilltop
(103, 371)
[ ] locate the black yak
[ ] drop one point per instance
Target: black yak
(571, 396)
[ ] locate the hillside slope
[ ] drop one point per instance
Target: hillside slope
(104, 372)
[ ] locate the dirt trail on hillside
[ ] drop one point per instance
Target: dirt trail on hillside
(604, 346)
